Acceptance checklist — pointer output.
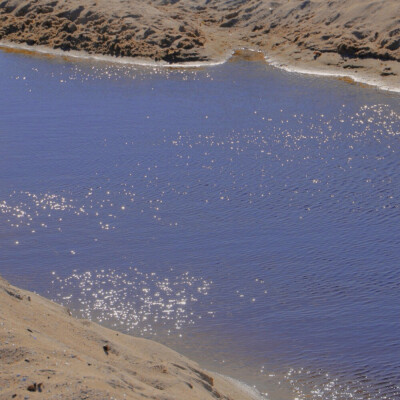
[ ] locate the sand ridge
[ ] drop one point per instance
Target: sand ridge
(46, 353)
(357, 36)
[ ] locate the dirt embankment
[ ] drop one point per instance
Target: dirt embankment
(361, 35)
(118, 28)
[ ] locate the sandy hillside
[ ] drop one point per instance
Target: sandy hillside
(47, 354)
(193, 30)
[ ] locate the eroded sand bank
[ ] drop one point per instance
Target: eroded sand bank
(46, 353)
(344, 37)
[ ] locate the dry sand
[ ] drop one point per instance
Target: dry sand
(47, 354)
(345, 37)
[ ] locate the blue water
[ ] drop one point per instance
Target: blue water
(245, 216)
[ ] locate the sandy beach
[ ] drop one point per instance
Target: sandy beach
(46, 353)
(346, 38)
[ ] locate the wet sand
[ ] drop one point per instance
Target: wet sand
(359, 39)
(46, 352)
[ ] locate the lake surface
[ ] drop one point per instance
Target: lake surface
(245, 216)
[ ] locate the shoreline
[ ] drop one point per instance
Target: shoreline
(311, 37)
(320, 70)
(83, 56)
(91, 360)
(370, 80)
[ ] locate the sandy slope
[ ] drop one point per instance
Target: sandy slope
(362, 36)
(67, 358)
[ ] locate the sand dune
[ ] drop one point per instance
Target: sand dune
(43, 350)
(358, 35)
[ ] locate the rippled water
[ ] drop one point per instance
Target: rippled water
(243, 215)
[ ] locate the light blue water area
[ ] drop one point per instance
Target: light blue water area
(243, 215)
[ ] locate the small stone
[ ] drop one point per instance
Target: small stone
(317, 54)
(106, 348)
(32, 388)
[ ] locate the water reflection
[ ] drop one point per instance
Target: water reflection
(246, 216)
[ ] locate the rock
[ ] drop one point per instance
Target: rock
(14, 294)
(32, 388)
(317, 54)
(106, 348)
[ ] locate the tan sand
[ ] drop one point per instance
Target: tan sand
(47, 354)
(345, 37)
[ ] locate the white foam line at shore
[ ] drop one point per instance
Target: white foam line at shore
(374, 82)
(128, 61)
(110, 59)
(250, 390)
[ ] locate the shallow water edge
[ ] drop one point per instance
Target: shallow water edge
(242, 52)
(83, 346)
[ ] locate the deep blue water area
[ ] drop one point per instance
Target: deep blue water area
(245, 216)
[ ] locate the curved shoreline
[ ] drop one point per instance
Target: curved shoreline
(91, 361)
(368, 80)
(358, 39)
(246, 53)
(80, 55)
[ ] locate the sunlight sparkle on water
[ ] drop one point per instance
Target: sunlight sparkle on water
(133, 301)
